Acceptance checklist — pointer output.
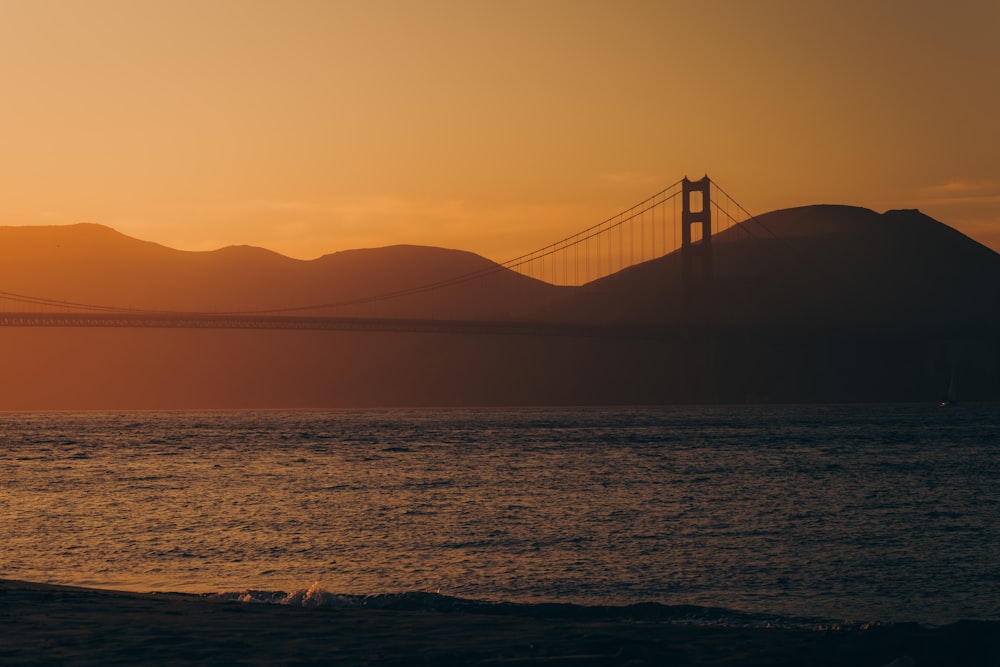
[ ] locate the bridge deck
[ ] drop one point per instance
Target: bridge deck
(661, 332)
(280, 322)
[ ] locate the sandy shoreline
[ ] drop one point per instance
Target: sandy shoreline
(54, 625)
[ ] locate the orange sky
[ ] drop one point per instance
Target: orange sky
(309, 127)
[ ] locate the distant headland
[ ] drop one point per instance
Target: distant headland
(834, 303)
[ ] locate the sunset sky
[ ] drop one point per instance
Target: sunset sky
(309, 127)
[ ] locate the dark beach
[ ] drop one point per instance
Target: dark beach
(55, 625)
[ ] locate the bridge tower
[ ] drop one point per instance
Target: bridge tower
(696, 231)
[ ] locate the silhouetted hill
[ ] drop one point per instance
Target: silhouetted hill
(815, 267)
(819, 303)
(92, 264)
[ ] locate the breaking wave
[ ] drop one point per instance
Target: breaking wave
(317, 597)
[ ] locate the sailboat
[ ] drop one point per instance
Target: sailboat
(951, 395)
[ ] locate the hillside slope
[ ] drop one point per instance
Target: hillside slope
(822, 303)
(814, 267)
(92, 264)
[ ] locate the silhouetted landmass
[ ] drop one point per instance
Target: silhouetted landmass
(93, 264)
(819, 303)
(819, 267)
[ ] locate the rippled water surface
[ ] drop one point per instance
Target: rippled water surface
(844, 512)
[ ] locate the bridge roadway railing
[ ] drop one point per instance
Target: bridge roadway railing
(676, 332)
(292, 323)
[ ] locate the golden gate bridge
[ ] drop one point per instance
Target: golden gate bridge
(681, 218)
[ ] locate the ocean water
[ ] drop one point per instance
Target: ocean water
(854, 512)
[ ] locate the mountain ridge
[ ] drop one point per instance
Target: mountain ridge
(896, 242)
(95, 264)
(819, 265)
(849, 305)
